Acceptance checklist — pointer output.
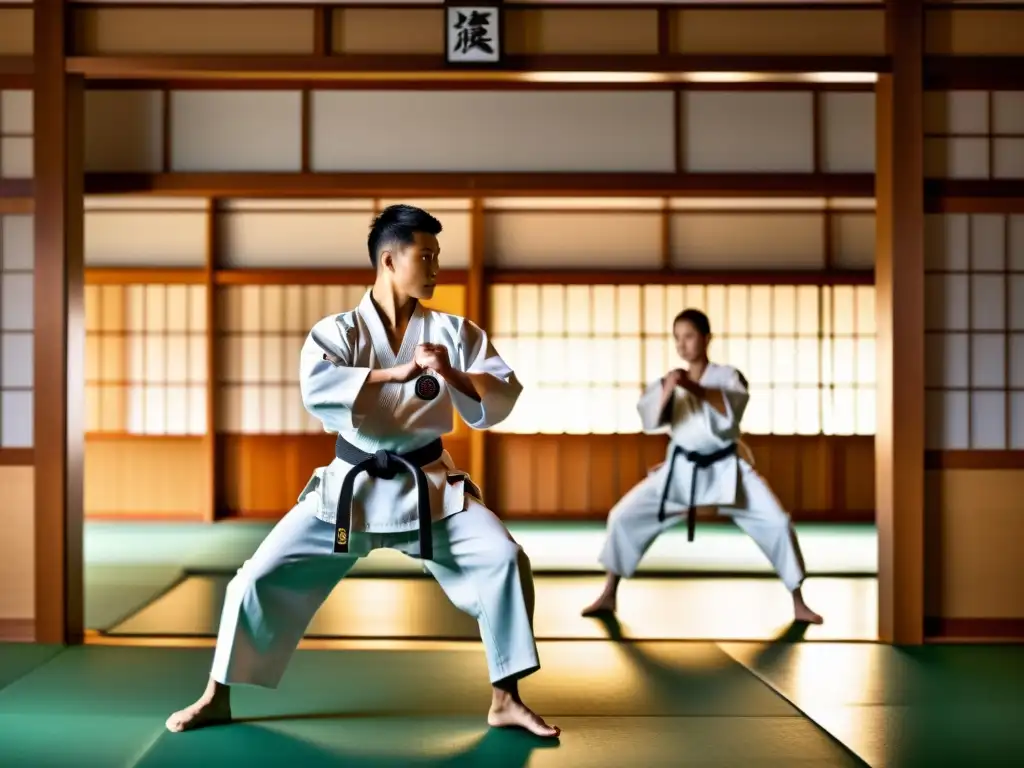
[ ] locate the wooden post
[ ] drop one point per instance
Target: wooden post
(59, 367)
(476, 310)
(899, 281)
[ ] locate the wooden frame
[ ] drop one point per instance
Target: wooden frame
(974, 459)
(58, 377)
(773, 82)
(321, 62)
(17, 457)
(405, 67)
(973, 72)
(990, 135)
(813, 475)
(1016, 457)
(353, 71)
(17, 190)
(476, 277)
(900, 288)
(485, 184)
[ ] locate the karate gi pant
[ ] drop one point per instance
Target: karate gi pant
(270, 602)
(633, 526)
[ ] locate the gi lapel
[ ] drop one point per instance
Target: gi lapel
(390, 393)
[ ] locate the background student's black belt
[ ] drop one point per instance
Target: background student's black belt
(384, 465)
(699, 461)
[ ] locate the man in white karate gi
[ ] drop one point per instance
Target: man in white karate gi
(386, 377)
(701, 409)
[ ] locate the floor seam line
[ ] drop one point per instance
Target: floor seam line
(804, 713)
(23, 675)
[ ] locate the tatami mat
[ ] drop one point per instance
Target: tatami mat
(925, 706)
(828, 548)
(620, 704)
(665, 704)
(649, 608)
(18, 659)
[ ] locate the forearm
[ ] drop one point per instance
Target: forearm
(384, 375)
(460, 381)
(712, 397)
(668, 389)
(376, 375)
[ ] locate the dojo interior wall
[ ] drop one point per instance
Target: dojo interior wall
(961, 479)
(974, 326)
(582, 339)
(531, 29)
(16, 357)
(952, 27)
(586, 350)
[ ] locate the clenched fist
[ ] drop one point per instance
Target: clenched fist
(675, 378)
(433, 357)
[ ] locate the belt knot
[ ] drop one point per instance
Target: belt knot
(384, 467)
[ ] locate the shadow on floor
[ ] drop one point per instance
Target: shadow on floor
(306, 743)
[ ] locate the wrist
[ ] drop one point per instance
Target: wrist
(445, 370)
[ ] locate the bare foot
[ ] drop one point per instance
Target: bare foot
(603, 604)
(508, 711)
(802, 613)
(209, 710)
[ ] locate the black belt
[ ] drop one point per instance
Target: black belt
(699, 461)
(385, 465)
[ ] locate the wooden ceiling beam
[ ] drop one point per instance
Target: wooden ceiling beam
(941, 195)
(433, 66)
(387, 70)
(482, 184)
(16, 65)
(973, 72)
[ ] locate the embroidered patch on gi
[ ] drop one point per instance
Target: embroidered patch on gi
(427, 387)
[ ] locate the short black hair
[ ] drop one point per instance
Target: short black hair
(696, 318)
(398, 224)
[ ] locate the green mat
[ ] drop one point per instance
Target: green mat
(925, 706)
(649, 609)
(129, 564)
(829, 549)
(584, 679)
(665, 704)
(620, 704)
(615, 742)
(114, 592)
(18, 659)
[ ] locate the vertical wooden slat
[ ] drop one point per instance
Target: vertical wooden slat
(665, 16)
(666, 27)
(306, 129)
(323, 26)
(666, 234)
(59, 368)
(990, 141)
(828, 259)
(165, 134)
(816, 132)
(678, 130)
(969, 277)
(899, 280)
(213, 468)
(477, 311)
(1007, 335)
